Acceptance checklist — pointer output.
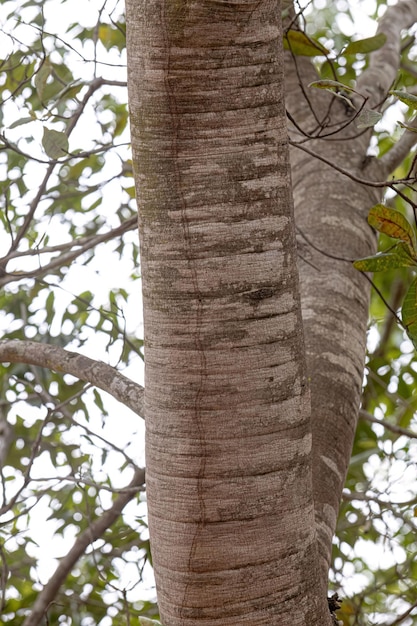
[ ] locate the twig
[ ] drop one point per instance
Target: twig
(351, 175)
(64, 258)
(402, 617)
(91, 534)
(400, 150)
(392, 427)
(94, 85)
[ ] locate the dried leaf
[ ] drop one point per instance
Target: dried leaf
(393, 224)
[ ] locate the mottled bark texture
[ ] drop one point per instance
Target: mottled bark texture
(331, 211)
(91, 371)
(228, 438)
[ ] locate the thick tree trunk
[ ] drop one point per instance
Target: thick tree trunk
(228, 438)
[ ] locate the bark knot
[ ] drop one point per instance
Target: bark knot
(335, 603)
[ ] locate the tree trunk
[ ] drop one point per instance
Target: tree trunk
(331, 210)
(331, 215)
(228, 440)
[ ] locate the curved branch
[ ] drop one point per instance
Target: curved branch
(95, 372)
(403, 616)
(94, 86)
(378, 78)
(362, 181)
(400, 150)
(392, 427)
(88, 536)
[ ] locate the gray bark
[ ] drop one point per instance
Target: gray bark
(66, 362)
(233, 482)
(331, 211)
(227, 414)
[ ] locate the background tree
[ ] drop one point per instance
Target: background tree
(65, 207)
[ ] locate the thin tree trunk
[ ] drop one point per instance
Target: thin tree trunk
(226, 405)
(331, 215)
(331, 211)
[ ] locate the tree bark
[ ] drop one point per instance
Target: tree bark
(331, 211)
(64, 361)
(331, 215)
(228, 439)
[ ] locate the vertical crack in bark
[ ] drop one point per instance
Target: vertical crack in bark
(176, 121)
(225, 404)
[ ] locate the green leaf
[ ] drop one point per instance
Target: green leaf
(99, 402)
(408, 98)
(409, 312)
(398, 256)
(334, 87)
(21, 121)
(302, 45)
(326, 83)
(368, 118)
(50, 308)
(42, 76)
(393, 224)
(145, 621)
(111, 37)
(55, 143)
(364, 46)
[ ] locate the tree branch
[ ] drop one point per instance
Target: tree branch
(369, 497)
(95, 372)
(404, 615)
(94, 86)
(392, 427)
(378, 78)
(87, 242)
(363, 181)
(66, 257)
(93, 532)
(399, 151)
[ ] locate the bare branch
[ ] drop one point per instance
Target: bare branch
(370, 497)
(82, 245)
(400, 150)
(363, 181)
(377, 79)
(95, 372)
(91, 534)
(392, 427)
(404, 615)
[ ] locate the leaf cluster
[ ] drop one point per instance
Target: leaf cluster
(67, 237)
